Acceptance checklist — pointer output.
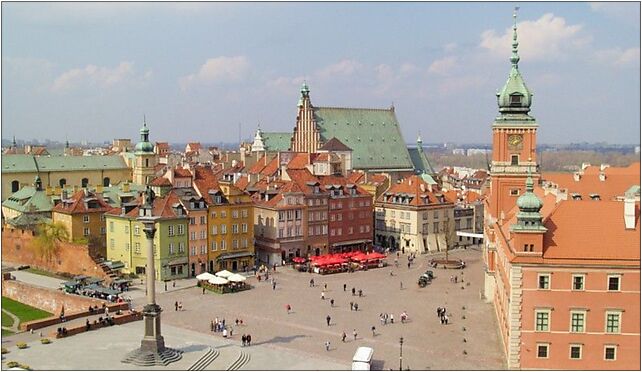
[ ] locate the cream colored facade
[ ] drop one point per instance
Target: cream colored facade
(412, 229)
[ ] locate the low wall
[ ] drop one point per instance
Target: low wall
(118, 320)
(41, 323)
(47, 299)
(17, 247)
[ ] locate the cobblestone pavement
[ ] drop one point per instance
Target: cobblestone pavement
(427, 343)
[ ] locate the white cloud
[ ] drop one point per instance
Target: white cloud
(219, 69)
(94, 75)
(619, 56)
(443, 66)
(344, 67)
(547, 38)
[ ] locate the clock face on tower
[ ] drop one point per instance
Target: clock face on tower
(515, 141)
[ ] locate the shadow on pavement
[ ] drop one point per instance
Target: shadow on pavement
(281, 340)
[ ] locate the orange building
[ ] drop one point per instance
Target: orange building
(83, 216)
(562, 256)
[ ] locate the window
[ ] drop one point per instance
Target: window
(577, 321)
(514, 192)
(137, 248)
(244, 213)
(576, 352)
(85, 218)
(111, 226)
(193, 251)
(203, 234)
(609, 352)
(614, 282)
(214, 230)
(102, 231)
(244, 227)
(578, 282)
(280, 233)
(339, 231)
(235, 244)
(243, 243)
(514, 159)
(235, 213)
(223, 229)
(181, 247)
(339, 217)
(543, 281)
(235, 228)
(181, 229)
(170, 230)
(515, 99)
(213, 246)
(15, 186)
(223, 245)
(192, 220)
(102, 217)
(213, 214)
(84, 182)
(541, 320)
(613, 321)
(203, 249)
(171, 248)
(310, 230)
(85, 231)
(332, 233)
(62, 182)
(192, 235)
(203, 222)
(112, 244)
(281, 216)
(542, 351)
(223, 214)
(435, 227)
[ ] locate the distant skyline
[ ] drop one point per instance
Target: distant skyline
(90, 71)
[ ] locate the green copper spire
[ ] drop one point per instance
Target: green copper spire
(305, 93)
(514, 59)
(144, 145)
(529, 217)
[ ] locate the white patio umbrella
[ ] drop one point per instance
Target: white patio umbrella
(223, 273)
(236, 278)
(218, 280)
(205, 276)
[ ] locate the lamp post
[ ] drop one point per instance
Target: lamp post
(152, 350)
(400, 353)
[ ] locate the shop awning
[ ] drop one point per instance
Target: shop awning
(352, 242)
(228, 256)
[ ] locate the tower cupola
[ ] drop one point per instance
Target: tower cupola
(529, 217)
(144, 145)
(305, 94)
(514, 97)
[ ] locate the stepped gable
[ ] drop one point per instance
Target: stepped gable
(79, 203)
(372, 134)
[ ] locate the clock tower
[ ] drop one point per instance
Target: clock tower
(514, 140)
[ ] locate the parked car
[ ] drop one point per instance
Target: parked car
(362, 358)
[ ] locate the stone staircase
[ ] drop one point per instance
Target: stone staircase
(149, 359)
(100, 262)
(205, 360)
(241, 361)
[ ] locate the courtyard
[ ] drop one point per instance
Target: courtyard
(469, 341)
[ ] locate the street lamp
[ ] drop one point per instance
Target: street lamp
(400, 353)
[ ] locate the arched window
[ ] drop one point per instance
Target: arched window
(15, 185)
(146, 163)
(84, 182)
(62, 182)
(106, 182)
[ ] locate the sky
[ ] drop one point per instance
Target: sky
(199, 71)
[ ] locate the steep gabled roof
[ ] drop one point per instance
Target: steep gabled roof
(79, 203)
(372, 134)
(335, 145)
(299, 161)
(160, 181)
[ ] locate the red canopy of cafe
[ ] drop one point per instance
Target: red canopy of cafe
(298, 260)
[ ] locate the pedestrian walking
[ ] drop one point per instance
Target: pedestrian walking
(385, 319)
(288, 308)
(325, 286)
(356, 306)
(409, 264)
(180, 306)
(174, 284)
(441, 319)
(249, 339)
(165, 286)
(176, 306)
(332, 302)
(236, 322)
(446, 319)
(353, 291)
(344, 287)
(360, 293)
(273, 286)
(351, 305)
(327, 320)
(400, 285)
(311, 282)
(225, 332)
(243, 339)
(373, 330)
(343, 336)
(211, 326)
(322, 295)
(327, 346)
(354, 333)
(455, 278)
(392, 319)
(438, 311)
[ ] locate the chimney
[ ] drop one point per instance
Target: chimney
(585, 165)
(604, 166)
(629, 212)
(577, 175)
(602, 176)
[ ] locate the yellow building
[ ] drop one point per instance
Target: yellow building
(83, 216)
(230, 222)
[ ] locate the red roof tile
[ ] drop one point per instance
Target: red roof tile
(77, 203)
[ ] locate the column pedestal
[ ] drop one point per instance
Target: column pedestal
(152, 351)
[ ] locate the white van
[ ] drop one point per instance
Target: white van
(362, 358)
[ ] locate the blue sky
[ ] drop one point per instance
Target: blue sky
(89, 71)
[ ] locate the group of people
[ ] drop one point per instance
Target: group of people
(217, 325)
(384, 317)
(246, 340)
(441, 314)
(178, 306)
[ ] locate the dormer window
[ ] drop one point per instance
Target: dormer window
(515, 99)
(217, 199)
(595, 196)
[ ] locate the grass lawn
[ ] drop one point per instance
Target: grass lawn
(7, 321)
(24, 312)
(6, 333)
(34, 270)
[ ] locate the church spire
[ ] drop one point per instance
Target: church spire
(529, 217)
(514, 59)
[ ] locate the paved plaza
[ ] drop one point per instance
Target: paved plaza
(296, 340)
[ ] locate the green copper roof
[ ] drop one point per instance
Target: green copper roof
(144, 146)
(428, 179)
(529, 217)
(28, 220)
(420, 161)
(26, 163)
(276, 141)
(372, 134)
(28, 200)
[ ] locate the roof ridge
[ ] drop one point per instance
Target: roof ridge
(354, 108)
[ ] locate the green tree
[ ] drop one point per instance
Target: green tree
(48, 239)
